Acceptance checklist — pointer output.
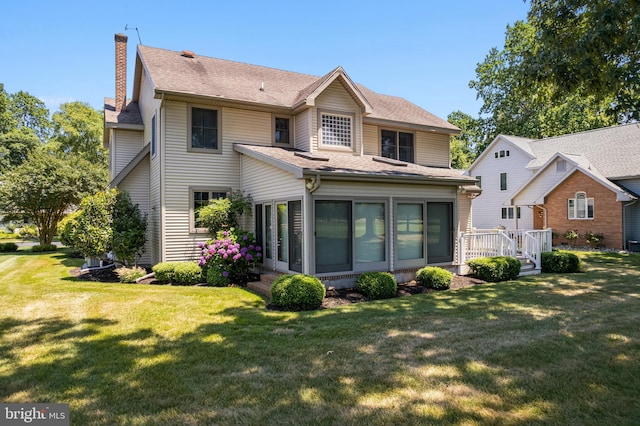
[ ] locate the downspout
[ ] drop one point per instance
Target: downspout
(160, 161)
(624, 225)
(544, 209)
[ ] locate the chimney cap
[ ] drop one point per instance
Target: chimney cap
(188, 54)
(120, 37)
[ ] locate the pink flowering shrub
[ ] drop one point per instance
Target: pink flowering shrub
(232, 255)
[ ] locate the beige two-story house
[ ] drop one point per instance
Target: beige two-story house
(343, 179)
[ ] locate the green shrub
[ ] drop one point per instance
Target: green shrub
(8, 247)
(594, 240)
(377, 285)
(164, 271)
(433, 277)
(45, 247)
(28, 231)
(187, 273)
(130, 275)
(560, 262)
(4, 235)
(216, 277)
(297, 292)
(494, 269)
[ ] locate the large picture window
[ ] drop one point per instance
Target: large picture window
(410, 231)
(204, 130)
(370, 232)
(580, 207)
(397, 145)
(333, 236)
(336, 130)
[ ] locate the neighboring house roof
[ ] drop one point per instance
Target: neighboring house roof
(516, 141)
(522, 143)
(582, 164)
(338, 165)
(613, 151)
(175, 74)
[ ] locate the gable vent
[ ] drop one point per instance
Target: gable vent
(188, 54)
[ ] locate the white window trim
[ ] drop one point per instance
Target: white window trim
(572, 211)
(291, 130)
(398, 131)
(192, 213)
(154, 135)
(219, 130)
(351, 117)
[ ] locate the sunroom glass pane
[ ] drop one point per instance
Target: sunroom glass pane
(369, 232)
(410, 231)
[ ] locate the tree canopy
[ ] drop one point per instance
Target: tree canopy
(78, 130)
(45, 186)
(573, 65)
(591, 48)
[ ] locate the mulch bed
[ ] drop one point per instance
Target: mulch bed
(339, 297)
(334, 297)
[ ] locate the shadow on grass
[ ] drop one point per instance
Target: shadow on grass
(546, 349)
(479, 355)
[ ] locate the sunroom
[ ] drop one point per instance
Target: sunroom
(336, 216)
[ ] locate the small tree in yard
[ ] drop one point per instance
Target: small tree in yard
(107, 220)
(44, 187)
(93, 231)
(129, 229)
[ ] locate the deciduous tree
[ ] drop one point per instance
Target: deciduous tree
(44, 187)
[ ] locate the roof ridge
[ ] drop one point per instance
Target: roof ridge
(238, 62)
(599, 129)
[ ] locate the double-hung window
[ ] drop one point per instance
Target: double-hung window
(503, 181)
(282, 130)
(203, 132)
(508, 212)
(336, 130)
(397, 145)
(580, 207)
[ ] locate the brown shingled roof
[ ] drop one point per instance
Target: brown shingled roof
(339, 164)
(171, 72)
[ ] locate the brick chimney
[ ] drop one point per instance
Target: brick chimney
(121, 72)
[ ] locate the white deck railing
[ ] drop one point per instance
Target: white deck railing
(497, 242)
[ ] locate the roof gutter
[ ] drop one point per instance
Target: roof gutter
(359, 177)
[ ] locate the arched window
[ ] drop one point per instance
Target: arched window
(580, 207)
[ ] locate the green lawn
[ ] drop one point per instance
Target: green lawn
(548, 349)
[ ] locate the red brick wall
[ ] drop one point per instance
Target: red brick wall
(121, 71)
(607, 212)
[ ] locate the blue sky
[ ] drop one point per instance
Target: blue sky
(425, 51)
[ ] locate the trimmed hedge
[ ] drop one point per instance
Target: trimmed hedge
(184, 273)
(164, 271)
(8, 247)
(297, 292)
(43, 248)
(560, 262)
(434, 277)
(494, 269)
(187, 273)
(377, 285)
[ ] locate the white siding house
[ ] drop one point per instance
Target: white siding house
(343, 180)
(586, 182)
